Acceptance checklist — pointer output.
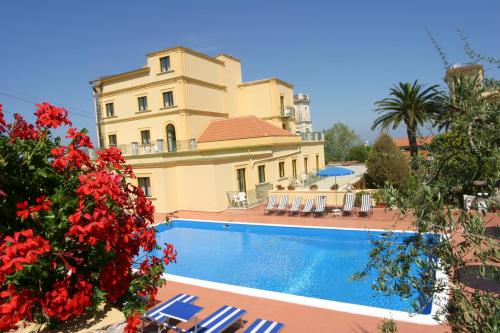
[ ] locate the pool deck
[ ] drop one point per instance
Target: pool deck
(297, 318)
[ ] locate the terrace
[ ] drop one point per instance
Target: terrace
(297, 317)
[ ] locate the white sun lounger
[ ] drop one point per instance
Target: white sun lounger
(282, 206)
(320, 205)
(366, 204)
(348, 203)
(295, 207)
(219, 320)
(271, 202)
(308, 205)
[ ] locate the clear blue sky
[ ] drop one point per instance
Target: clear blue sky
(346, 55)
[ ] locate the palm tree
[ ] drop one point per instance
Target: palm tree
(411, 104)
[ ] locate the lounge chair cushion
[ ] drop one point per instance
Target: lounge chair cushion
(264, 326)
(155, 314)
(219, 320)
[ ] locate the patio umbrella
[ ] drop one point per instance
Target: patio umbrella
(334, 172)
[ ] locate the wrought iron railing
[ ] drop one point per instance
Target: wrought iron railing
(313, 136)
(250, 198)
(309, 179)
(135, 148)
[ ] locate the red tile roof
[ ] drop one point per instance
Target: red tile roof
(240, 128)
(403, 142)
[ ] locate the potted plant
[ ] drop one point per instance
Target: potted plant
(279, 187)
(291, 187)
(334, 187)
(493, 204)
(313, 187)
(380, 199)
(357, 201)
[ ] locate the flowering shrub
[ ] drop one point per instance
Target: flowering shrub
(71, 228)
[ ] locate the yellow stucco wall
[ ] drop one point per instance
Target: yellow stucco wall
(201, 180)
(204, 88)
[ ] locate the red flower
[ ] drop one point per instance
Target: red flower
(22, 248)
(133, 322)
(170, 254)
(50, 116)
(20, 129)
(43, 204)
(15, 306)
(115, 277)
(3, 124)
(22, 209)
(111, 157)
(67, 299)
(79, 138)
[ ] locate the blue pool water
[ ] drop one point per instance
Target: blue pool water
(308, 262)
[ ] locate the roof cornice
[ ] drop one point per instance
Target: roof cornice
(263, 81)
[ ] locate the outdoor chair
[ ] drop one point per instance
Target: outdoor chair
(295, 207)
(241, 199)
(308, 205)
(366, 205)
(320, 205)
(271, 203)
(283, 204)
(348, 203)
(159, 315)
(219, 320)
(264, 326)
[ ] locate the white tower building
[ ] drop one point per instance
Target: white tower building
(302, 113)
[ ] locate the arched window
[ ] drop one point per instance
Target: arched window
(171, 140)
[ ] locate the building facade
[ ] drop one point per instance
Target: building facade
(303, 120)
(194, 132)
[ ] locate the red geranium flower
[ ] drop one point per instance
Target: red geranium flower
(133, 322)
(50, 116)
(22, 209)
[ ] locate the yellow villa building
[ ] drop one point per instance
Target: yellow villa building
(197, 136)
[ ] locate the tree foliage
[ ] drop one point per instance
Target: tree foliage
(411, 104)
(359, 153)
(71, 228)
(385, 163)
(466, 160)
(339, 139)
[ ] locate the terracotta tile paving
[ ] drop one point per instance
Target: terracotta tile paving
(297, 318)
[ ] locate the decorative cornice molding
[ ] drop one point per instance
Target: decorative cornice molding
(109, 78)
(187, 50)
(182, 78)
(164, 113)
(263, 81)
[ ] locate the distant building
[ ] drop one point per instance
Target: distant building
(404, 145)
(458, 72)
(302, 113)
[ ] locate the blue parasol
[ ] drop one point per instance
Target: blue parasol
(334, 172)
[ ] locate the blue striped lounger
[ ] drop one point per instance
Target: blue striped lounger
(219, 320)
(264, 326)
(156, 314)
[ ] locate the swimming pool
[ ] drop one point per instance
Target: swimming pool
(305, 262)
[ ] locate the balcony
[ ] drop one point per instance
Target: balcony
(288, 111)
(313, 136)
(250, 198)
(135, 148)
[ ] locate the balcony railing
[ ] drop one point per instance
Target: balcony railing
(288, 111)
(250, 198)
(313, 136)
(135, 148)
